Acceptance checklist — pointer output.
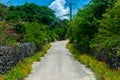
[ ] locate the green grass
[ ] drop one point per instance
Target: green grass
(100, 69)
(24, 67)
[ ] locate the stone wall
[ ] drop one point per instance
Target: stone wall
(11, 55)
(109, 56)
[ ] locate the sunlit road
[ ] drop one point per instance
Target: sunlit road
(59, 64)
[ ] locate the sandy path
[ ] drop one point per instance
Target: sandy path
(58, 64)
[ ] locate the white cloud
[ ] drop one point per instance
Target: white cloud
(59, 7)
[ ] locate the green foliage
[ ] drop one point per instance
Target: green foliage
(83, 27)
(35, 32)
(34, 23)
(7, 34)
(92, 26)
(118, 52)
(39, 32)
(109, 30)
(29, 23)
(3, 10)
(95, 30)
(30, 12)
(60, 29)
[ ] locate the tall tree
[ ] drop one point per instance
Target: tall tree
(86, 23)
(31, 12)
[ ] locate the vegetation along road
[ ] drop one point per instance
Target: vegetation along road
(59, 64)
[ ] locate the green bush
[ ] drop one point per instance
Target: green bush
(34, 32)
(109, 30)
(7, 34)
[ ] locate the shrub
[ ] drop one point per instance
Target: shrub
(7, 34)
(34, 32)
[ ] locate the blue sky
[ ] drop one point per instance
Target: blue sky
(58, 5)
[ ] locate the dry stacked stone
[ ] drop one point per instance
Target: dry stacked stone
(11, 55)
(109, 56)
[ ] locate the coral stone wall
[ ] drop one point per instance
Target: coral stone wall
(11, 55)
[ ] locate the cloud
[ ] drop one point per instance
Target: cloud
(59, 7)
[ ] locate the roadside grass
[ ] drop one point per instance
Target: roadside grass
(100, 69)
(24, 67)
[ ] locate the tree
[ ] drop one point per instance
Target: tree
(86, 23)
(3, 11)
(30, 12)
(108, 35)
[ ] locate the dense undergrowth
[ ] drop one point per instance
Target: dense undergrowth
(23, 68)
(100, 69)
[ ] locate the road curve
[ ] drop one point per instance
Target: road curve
(59, 64)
